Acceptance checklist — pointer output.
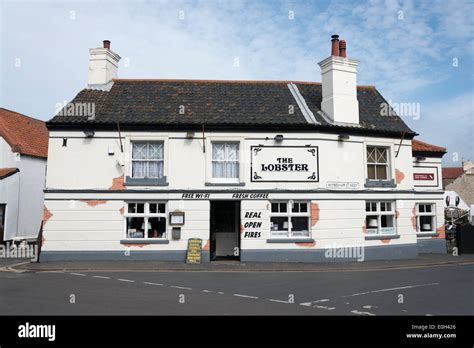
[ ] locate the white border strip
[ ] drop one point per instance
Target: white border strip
(307, 113)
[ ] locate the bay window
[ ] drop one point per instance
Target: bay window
(225, 161)
(147, 159)
(289, 219)
(380, 218)
(146, 220)
(425, 218)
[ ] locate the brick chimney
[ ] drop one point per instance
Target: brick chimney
(339, 84)
(103, 66)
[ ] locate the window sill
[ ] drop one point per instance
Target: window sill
(290, 240)
(144, 241)
(380, 183)
(230, 183)
(129, 181)
(381, 236)
(427, 234)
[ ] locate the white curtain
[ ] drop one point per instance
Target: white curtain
(225, 160)
(152, 156)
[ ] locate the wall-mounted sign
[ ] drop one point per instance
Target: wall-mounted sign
(425, 176)
(177, 218)
(338, 185)
(284, 164)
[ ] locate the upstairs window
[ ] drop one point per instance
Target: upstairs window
(225, 161)
(147, 159)
(377, 163)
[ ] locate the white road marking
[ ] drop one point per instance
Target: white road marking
(126, 280)
(101, 277)
(391, 289)
(246, 296)
(305, 304)
(429, 315)
(78, 274)
(149, 283)
(325, 307)
(279, 301)
(362, 313)
(220, 293)
(369, 306)
(180, 287)
(323, 300)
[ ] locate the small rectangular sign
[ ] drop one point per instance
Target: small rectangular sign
(424, 176)
(284, 164)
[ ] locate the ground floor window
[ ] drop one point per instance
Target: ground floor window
(2, 220)
(289, 219)
(380, 218)
(425, 218)
(146, 220)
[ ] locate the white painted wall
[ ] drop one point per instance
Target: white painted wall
(86, 164)
(22, 192)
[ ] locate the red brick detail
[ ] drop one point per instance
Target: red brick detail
(93, 202)
(207, 246)
(242, 228)
(46, 215)
(364, 227)
(314, 213)
(413, 217)
(399, 176)
(385, 241)
(121, 210)
(308, 244)
(140, 245)
(117, 183)
(397, 214)
(441, 232)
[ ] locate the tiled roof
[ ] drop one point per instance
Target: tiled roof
(420, 146)
(6, 172)
(223, 103)
(24, 134)
(452, 172)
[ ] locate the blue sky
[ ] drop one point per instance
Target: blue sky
(407, 49)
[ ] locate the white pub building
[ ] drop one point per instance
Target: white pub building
(258, 170)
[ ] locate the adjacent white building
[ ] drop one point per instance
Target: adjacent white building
(23, 153)
(259, 170)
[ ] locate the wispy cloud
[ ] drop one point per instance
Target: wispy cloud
(406, 48)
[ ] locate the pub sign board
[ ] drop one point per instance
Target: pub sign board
(284, 164)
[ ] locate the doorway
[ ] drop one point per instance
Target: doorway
(224, 230)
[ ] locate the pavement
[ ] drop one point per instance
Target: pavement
(424, 260)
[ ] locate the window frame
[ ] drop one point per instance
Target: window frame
(238, 161)
(3, 221)
(290, 214)
(419, 214)
(146, 215)
(388, 166)
(163, 160)
(379, 213)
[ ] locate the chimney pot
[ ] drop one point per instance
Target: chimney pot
(335, 45)
(107, 44)
(342, 48)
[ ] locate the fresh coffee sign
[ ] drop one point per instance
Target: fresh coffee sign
(284, 163)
